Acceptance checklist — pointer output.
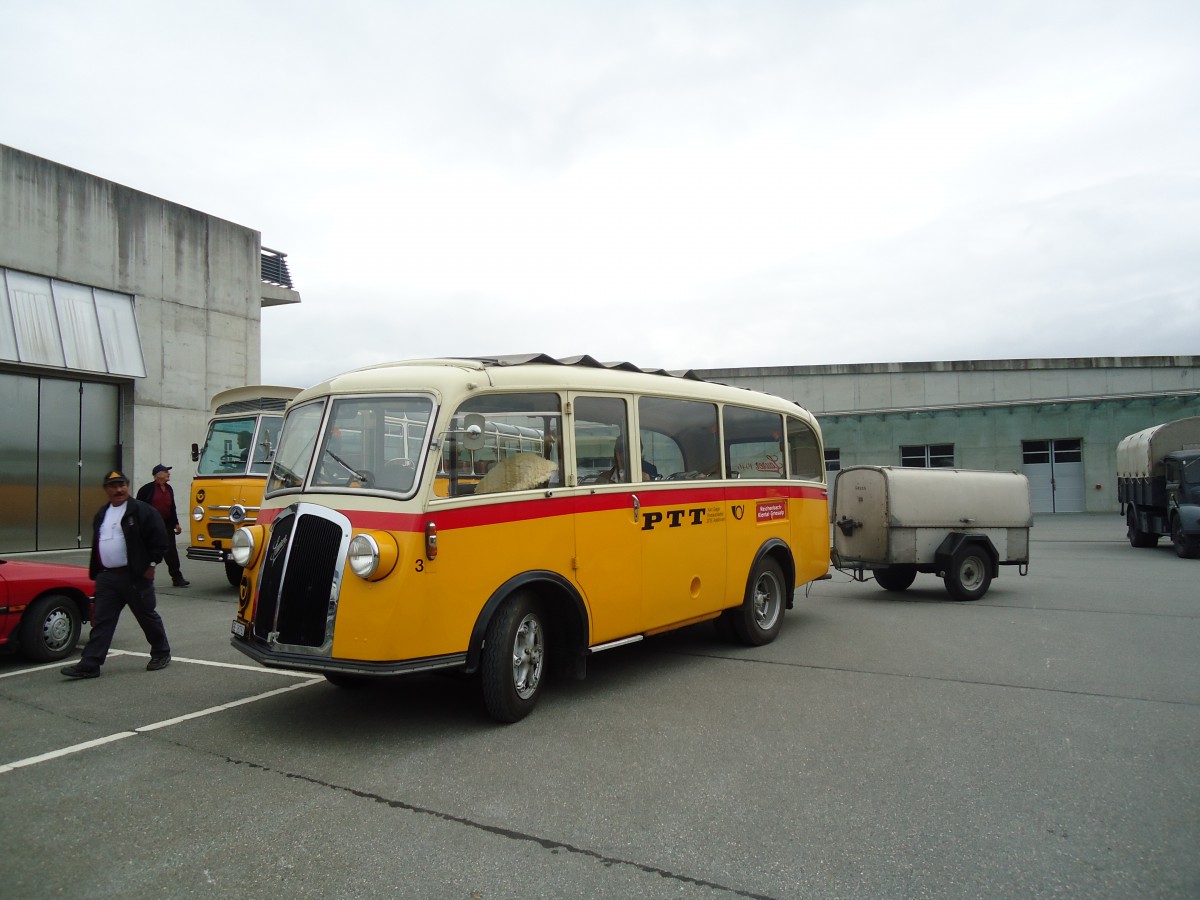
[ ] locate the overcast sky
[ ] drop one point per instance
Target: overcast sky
(678, 184)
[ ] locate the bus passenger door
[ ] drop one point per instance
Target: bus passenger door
(683, 514)
(608, 560)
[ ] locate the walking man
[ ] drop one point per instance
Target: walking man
(159, 494)
(128, 540)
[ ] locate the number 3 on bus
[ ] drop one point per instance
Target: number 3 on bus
(483, 515)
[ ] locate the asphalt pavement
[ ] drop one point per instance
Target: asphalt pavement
(1039, 742)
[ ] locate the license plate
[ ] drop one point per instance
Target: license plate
(239, 629)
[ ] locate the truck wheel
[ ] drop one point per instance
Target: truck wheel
(1138, 538)
(970, 573)
(513, 661)
(233, 573)
(1186, 546)
(896, 578)
(758, 620)
(50, 628)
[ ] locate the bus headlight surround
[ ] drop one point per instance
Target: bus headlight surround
(372, 555)
(245, 545)
(198, 513)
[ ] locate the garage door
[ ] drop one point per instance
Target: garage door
(1055, 472)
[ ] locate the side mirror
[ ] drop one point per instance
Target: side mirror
(474, 432)
(195, 453)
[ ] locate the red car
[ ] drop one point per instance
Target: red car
(42, 608)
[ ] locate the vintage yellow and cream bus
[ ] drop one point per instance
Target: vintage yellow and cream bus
(231, 468)
(481, 515)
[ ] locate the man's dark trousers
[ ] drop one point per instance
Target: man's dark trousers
(114, 591)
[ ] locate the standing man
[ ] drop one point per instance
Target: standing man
(128, 541)
(159, 494)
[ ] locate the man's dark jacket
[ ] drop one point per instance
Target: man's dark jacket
(146, 492)
(145, 538)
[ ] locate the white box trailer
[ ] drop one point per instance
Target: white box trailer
(959, 524)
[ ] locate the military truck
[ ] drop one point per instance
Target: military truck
(958, 524)
(1158, 485)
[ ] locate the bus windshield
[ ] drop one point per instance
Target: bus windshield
(367, 443)
(232, 448)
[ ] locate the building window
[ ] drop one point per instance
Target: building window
(929, 456)
(833, 460)
(1065, 450)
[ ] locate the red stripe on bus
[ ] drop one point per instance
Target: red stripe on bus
(649, 497)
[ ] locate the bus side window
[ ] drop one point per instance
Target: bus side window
(521, 445)
(600, 429)
(753, 443)
(689, 428)
(805, 459)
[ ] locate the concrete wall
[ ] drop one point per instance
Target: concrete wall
(195, 280)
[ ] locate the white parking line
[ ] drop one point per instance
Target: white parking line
(120, 735)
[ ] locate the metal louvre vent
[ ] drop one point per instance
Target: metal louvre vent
(304, 603)
(300, 578)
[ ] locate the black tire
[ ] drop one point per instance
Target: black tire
(1186, 546)
(50, 628)
(758, 620)
(513, 662)
(970, 573)
(1138, 538)
(896, 578)
(233, 572)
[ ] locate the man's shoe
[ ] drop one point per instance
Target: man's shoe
(80, 671)
(180, 582)
(156, 663)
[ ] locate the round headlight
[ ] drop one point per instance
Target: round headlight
(242, 546)
(237, 513)
(198, 513)
(364, 556)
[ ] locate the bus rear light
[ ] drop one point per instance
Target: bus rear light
(430, 540)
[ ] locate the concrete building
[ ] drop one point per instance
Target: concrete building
(1056, 420)
(121, 314)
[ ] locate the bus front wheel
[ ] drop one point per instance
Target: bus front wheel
(233, 573)
(513, 660)
(758, 620)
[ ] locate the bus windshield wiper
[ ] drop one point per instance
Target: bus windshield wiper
(349, 468)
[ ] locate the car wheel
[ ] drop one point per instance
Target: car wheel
(970, 573)
(758, 620)
(50, 628)
(896, 578)
(514, 659)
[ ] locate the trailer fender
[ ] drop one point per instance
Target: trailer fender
(950, 545)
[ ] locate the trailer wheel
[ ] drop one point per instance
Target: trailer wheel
(970, 573)
(896, 578)
(513, 660)
(758, 620)
(1186, 546)
(1137, 538)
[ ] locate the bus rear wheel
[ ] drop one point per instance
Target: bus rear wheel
(758, 620)
(513, 660)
